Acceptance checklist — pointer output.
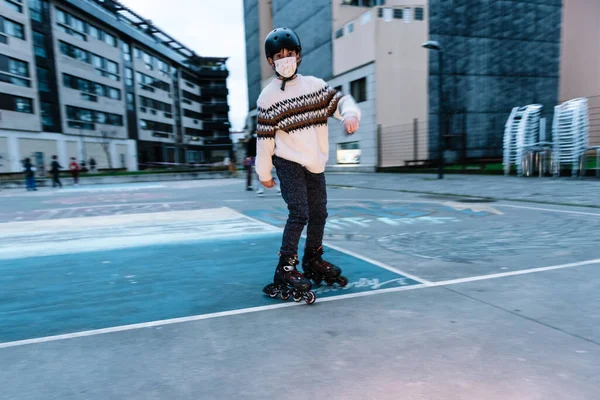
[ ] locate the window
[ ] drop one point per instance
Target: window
(89, 117)
(61, 16)
(97, 61)
(128, 77)
(16, 103)
(24, 105)
(104, 67)
(339, 33)
(112, 67)
(77, 25)
(130, 102)
(338, 89)
(43, 76)
(155, 126)
(365, 18)
(14, 29)
(46, 110)
(39, 44)
(407, 15)
(126, 49)
(348, 153)
(192, 114)
(14, 5)
(398, 13)
(14, 66)
(350, 27)
(149, 83)
(188, 84)
(137, 52)
(358, 89)
(14, 80)
(114, 94)
(83, 85)
(386, 13)
(419, 14)
(110, 39)
(186, 101)
(95, 32)
(191, 96)
(363, 3)
(197, 132)
(38, 9)
(155, 104)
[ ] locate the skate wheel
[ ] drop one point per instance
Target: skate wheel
(273, 294)
(310, 298)
(297, 296)
(329, 282)
(342, 281)
(284, 295)
(317, 281)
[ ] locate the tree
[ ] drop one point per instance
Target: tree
(107, 137)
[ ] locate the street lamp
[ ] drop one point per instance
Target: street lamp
(434, 45)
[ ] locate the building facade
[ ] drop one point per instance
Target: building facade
(497, 55)
(93, 79)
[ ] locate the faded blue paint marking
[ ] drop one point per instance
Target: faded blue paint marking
(43, 296)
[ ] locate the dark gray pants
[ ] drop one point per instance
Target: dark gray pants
(306, 197)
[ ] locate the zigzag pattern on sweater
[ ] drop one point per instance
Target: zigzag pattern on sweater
(295, 114)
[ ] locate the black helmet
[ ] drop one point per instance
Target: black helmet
(281, 38)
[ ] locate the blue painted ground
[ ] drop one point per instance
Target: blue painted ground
(43, 296)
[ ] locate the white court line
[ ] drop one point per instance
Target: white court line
(356, 255)
(290, 304)
(549, 209)
(377, 263)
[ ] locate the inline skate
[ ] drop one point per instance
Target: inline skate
(319, 270)
(289, 282)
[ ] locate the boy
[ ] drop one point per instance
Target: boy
(293, 136)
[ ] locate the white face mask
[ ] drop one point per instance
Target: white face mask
(286, 67)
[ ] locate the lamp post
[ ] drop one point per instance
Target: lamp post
(434, 45)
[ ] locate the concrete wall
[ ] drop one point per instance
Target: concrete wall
(367, 134)
(580, 58)
(19, 145)
(499, 54)
(401, 71)
(311, 20)
(359, 47)
(21, 50)
(253, 54)
(4, 162)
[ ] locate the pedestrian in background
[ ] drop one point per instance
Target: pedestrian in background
(55, 168)
(249, 160)
(74, 168)
(29, 170)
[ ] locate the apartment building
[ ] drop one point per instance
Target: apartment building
(94, 79)
(498, 55)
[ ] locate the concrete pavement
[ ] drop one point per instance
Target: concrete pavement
(503, 303)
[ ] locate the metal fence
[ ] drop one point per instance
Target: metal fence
(403, 145)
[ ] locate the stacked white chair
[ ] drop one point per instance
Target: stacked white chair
(520, 132)
(570, 134)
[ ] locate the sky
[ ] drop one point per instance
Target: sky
(213, 28)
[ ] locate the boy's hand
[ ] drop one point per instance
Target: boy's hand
(350, 124)
(268, 184)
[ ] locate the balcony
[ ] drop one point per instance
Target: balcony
(214, 91)
(216, 125)
(217, 140)
(211, 72)
(210, 108)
